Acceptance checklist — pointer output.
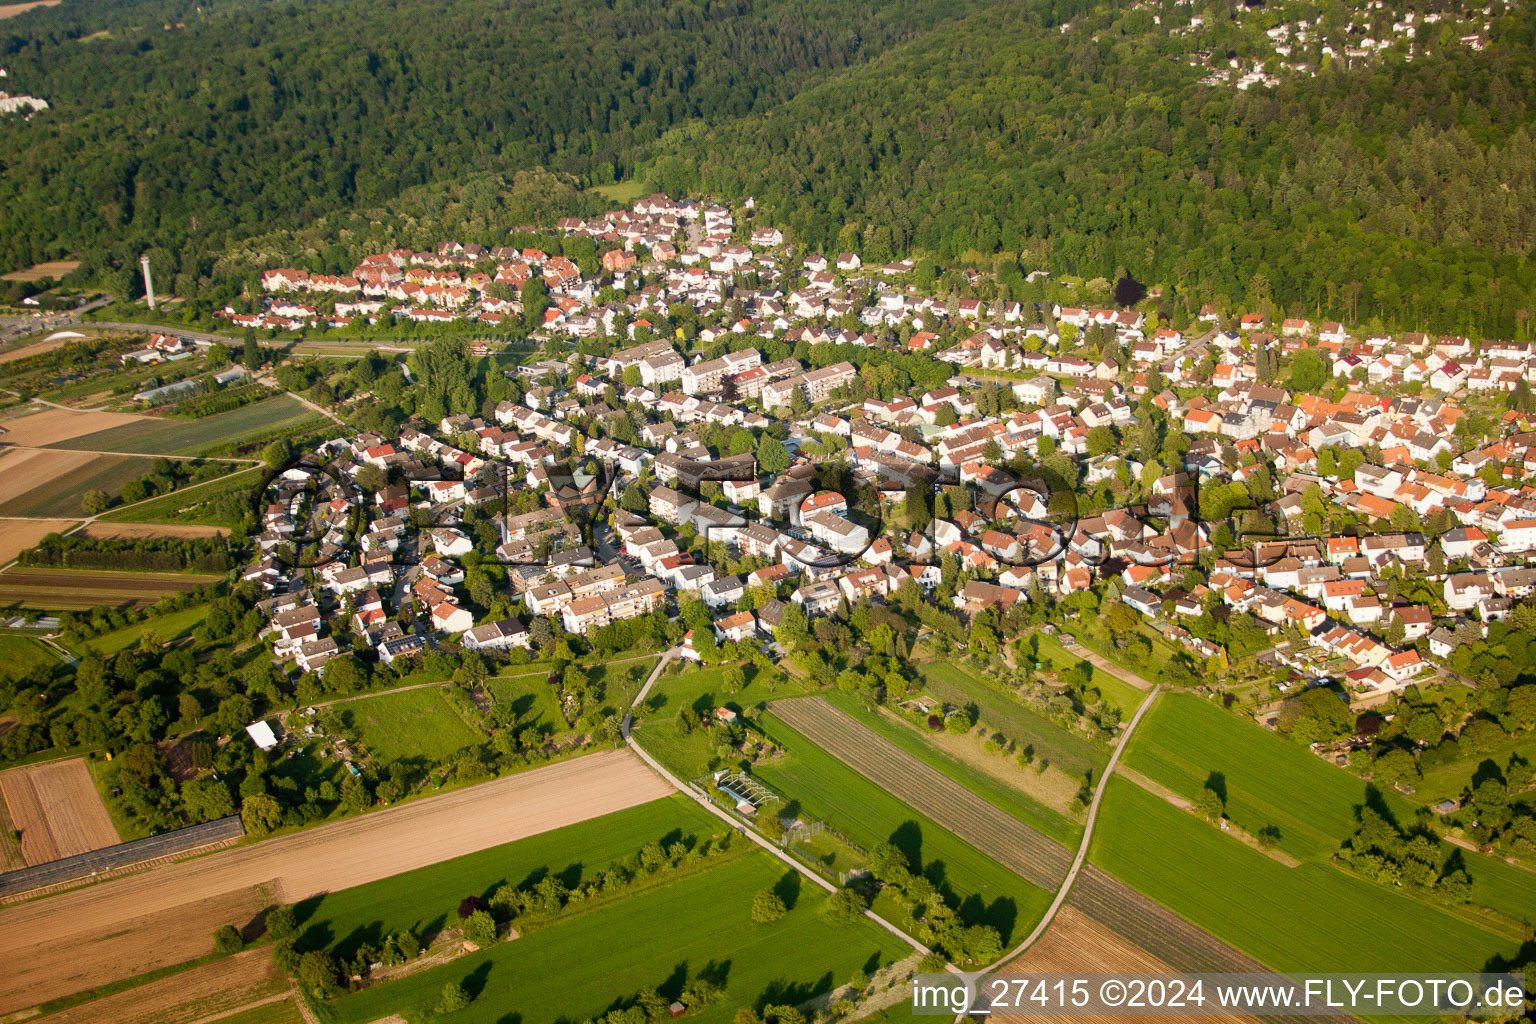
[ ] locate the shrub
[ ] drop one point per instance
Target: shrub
(228, 940)
(480, 928)
(767, 907)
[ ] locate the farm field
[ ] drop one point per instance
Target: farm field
(53, 268)
(984, 825)
(707, 928)
(51, 483)
(198, 506)
(825, 788)
(17, 535)
(57, 810)
(413, 724)
(1075, 943)
(423, 900)
(1291, 919)
(171, 436)
(1268, 780)
(1036, 799)
(72, 589)
(51, 426)
(201, 992)
(99, 530)
(1000, 712)
(168, 627)
(88, 937)
(36, 348)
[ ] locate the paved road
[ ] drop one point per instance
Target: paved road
(1082, 849)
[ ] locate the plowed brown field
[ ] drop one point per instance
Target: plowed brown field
(133, 531)
(1077, 944)
(53, 425)
(90, 936)
(57, 810)
(207, 991)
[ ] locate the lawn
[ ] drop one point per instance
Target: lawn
(621, 193)
(411, 725)
(198, 505)
(167, 627)
(1000, 712)
(1185, 740)
(533, 701)
(690, 756)
(826, 789)
(171, 436)
(422, 900)
(1115, 690)
(1311, 918)
(1448, 781)
(24, 653)
(1011, 799)
(574, 969)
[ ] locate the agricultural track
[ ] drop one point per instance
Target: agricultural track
(985, 826)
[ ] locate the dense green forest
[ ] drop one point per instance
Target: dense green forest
(190, 127)
(1405, 190)
(1075, 134)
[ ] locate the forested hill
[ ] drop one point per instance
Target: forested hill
(187, 125)
(1405, 189)
(1086, 136)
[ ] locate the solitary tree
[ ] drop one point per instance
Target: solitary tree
(1209, 805)
(454, 998)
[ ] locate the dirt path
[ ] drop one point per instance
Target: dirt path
(55, 935)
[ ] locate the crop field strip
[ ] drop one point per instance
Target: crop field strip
(1077, 944)
(1001, 836)
(62, 589)
(56, 808)
(170, 436)
(1163, 934)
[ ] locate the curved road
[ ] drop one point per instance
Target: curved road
(1082, 849)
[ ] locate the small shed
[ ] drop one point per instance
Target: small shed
(262, 735)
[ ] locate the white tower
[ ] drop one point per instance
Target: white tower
(149, 282)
